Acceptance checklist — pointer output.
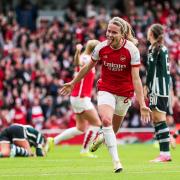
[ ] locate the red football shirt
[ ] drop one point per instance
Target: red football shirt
(84, 87)
(116, 67)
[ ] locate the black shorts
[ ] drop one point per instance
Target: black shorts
(12, 133)
(159, 103)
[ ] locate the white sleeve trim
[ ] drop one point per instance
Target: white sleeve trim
(95, 54)
(134, 52)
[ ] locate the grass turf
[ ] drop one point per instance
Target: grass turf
(65, 162)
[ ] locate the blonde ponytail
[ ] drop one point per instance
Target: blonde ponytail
(129, 34)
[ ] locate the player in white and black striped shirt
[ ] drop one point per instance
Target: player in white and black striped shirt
(158, 88)
(17, 139)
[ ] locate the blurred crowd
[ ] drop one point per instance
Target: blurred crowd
(36, 59)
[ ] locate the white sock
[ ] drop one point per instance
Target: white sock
(165, 153)
(110, 140)
(89, 136)
(67, 134)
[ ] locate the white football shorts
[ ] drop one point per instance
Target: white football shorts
(120, 104)
(81, 104)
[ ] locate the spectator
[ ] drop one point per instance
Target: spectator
(29, 12)
(39, 58)
(18, 113)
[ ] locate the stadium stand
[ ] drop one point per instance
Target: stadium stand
(36, 53)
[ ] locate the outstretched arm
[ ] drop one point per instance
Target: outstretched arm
(67, 88)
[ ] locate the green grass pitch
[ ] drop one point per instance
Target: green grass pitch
(65, 162)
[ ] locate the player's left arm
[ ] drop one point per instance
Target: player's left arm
(135, 64)
(145, 116)
(137, 85)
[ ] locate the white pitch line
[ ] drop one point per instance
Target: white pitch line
(86, 173)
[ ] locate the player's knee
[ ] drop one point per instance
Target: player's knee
(158, 116)
(5, 153)
(106, 121)
(82, 128)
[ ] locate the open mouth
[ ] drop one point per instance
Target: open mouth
(110, 40)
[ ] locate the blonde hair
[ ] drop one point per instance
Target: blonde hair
(91, 44)
(125, 28)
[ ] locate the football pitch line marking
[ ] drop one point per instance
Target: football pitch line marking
(102, 161)
(85, 173)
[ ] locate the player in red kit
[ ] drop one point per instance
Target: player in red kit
(119, 79)
(87, 119)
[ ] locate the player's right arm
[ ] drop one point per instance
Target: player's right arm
(67, 88)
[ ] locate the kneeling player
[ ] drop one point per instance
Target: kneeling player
(16, 140)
